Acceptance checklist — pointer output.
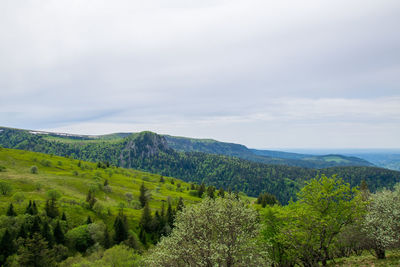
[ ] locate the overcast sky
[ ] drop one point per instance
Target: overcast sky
(267, 74)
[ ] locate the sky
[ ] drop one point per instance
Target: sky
(266, 74)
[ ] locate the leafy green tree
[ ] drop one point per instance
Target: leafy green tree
(221, 192)
(180, 205)
(5, 188)
(201, 190)
(51, 208)
(211, 191)
(90, 198)
(11, 211)
(218, 232)
(34, 170)
(35, 253)
(382, 221)
(308, 228)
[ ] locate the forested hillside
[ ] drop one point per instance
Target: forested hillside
(151, 152)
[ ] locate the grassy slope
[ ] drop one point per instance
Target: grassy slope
(60, 176)
(366, 259)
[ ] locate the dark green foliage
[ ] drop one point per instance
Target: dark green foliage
(107, 240)
(120, 228)
(64, 217)
(35, 226)
(162, 179)
(47, 234)
(59, 237)
(34, 170)
(146, 219)
(170, 215)
(143, 196)
(51, 209)
(266, 199)
(7, 246)
(35, 253)
(150, 152)
(22, 232)
(211, 191)
(89, 220)
(5, 188)
(180, 205)
(91, 199)
(11, 211)
(201, 190)
(221, 192)
(31, 208)
(142, 236)
(105, 183)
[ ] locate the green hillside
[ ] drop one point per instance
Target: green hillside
(150, 152)
(74, 182)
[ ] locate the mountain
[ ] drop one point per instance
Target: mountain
(151, 152)
(262, 156)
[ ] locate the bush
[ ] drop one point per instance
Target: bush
(34, 169)
(5, 188)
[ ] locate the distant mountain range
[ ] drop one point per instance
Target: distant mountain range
(230, 166)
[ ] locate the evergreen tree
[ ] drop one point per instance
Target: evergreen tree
(162, 179)
(107, 241)
(34, 208)
(58, 234)
(51, 209)
(11, 211)
(64, 217)
(145, 220)
(90, 198)
(28, 209)
(35, 226)
(7, 247)
(47, 235)
(210, 191)
(180, 205)
(143, 197)
(105, 183)
(201, 190)
(89, 220)
(170, 215)
(221, 192)
(142, 236)
(35, 253)
(120, 228)
(22, 232)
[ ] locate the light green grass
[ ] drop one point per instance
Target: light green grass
(367, 259)
(60, 175)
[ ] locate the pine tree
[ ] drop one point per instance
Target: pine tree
(47, 235)
(180, 205)
(34, 208)
(11, 211)
(170, 215)
(210, 192)
(58, 234)
(221, 192)
(201, 190)
(145, 220)
(90, 198)
(89, 220)
(28, 209)
(35, 226)
(22, 232)
(120, 228)
(142, 236)
(105, 183)
(36, 253)
(64, 217)
(143, 197)
(51, 209)
(7, 247)
(107, 241)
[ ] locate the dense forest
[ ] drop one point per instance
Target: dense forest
(57, 211)
(150, 152)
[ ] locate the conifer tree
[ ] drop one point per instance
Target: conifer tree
(89, 220)
(34, 208)
(51, 209)
(7, 247)
(35, 226)
(201, 190)
(180, 205)
(145, 220)
(28, 209)
(59, 237)
(170, 215)
(120, 228)
(107, 241)
(143, 197)
(11, 211)
(210, 191)
(36, 253)
(47, 235)
(90, 198)
(142, 236)
(22, 232)
(221, 192)
(63, 217)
